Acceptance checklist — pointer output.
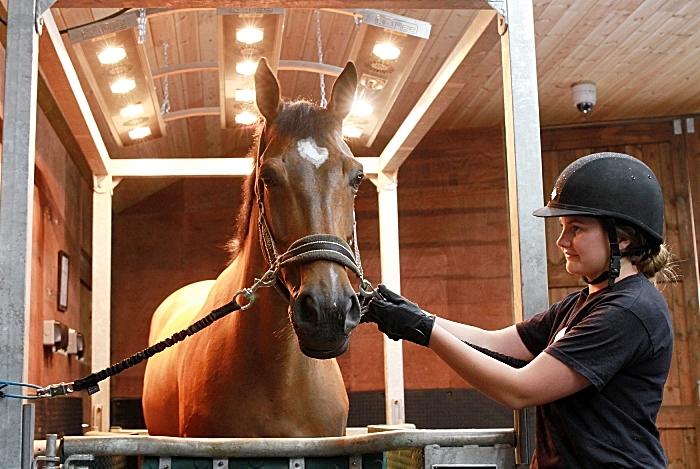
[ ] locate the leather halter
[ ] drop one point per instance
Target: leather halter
(310, 248)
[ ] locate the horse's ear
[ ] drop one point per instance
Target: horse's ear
(343, 94)
(267, 92)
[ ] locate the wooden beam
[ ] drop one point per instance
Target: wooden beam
(185, 68)
(194, 4)
(68, 93)
(437, 96)
(183, 167)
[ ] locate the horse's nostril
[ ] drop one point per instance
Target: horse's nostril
(307, 311)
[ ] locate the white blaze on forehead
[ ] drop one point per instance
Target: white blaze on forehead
(308, 149)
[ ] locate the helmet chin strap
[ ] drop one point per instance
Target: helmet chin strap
(615, 256)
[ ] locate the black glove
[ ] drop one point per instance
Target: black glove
(398, 318)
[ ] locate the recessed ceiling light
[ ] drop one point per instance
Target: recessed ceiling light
(122, 86)
(246, 68)
(132, 110)
(139, 132)
(249, 35)
(361, 108)
(386, 51)
(245, 95)
(111, 55)
(351, 131)
(246, 118)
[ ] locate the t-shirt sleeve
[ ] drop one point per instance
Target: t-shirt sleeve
(601, 344)
(535, 332)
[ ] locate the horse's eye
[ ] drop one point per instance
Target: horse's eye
(357, 180)
(269, 178)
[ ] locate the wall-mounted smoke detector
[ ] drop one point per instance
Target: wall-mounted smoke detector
(584, 96)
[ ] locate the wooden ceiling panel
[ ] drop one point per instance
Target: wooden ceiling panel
(643, 55)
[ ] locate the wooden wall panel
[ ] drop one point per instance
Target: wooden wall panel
(62, 200)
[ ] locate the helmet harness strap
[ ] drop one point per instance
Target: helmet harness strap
(615, 256)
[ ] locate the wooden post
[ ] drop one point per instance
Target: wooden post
(101, 291)
(391, 277)
(16, 217)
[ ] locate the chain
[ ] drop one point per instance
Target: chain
(321, 76)
(165, 107)
(141, 21)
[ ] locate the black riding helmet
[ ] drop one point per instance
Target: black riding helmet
(609, 186)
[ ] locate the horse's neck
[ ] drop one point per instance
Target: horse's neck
(264, 327)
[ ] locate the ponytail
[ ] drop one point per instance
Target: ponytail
(656, 263)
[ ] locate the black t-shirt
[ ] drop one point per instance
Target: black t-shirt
(621, 339)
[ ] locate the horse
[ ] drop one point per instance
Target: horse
(270, 371)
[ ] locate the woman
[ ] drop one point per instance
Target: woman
(596, 362)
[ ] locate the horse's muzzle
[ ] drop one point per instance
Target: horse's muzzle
(323, 320)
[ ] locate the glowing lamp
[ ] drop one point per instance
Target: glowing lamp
(245, 95)
(122, 86)
(139, 132)
(249, 35)
(386, 51)
(132, 110)
(246, 118)
(111, 55)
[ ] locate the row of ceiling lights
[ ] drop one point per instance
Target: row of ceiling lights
(112, 55)
(250, 35)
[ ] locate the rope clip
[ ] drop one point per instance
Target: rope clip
(55, 390)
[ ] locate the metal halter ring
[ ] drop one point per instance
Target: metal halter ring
(366, 289)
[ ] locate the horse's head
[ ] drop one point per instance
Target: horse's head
(307, 181)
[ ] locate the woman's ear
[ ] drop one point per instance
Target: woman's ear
(623, 243)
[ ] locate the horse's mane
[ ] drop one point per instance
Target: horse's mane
(298, 119)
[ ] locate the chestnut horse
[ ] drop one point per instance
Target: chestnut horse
(269, 371)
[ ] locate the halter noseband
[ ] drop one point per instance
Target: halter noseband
(315, 247)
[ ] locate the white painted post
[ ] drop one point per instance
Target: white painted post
(16, 217)
(391, 277)
(101, 291)
(524, 169)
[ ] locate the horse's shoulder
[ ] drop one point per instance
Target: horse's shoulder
(178, 310)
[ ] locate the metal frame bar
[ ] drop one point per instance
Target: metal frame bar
(16, 214)
(524, 175)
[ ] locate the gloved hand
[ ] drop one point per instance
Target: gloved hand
(399, 318)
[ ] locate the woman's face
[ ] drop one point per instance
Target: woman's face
(584, 242)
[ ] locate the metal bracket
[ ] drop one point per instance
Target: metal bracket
(355, 462)
(164, 462)
(40, 7)
(501, 7)
(220, 463)
(296, 463)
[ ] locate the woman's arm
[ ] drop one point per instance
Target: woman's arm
(506, 341)
(544, 379)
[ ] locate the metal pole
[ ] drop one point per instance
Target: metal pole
(16, 204)
(27, 435)
(524, 173)
(391, 277)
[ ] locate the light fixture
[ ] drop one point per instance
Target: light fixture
(361, 108)
(111, 55)
(131, 110)
(139, 132)
(385, 50)
(247, 34)
(122, 86)
(351, 131)
(245, 96)
(246, 68)
(246, 118)
(116, 67)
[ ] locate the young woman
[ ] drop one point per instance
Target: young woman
(594, 363)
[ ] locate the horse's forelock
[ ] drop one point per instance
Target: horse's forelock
(298, 119)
